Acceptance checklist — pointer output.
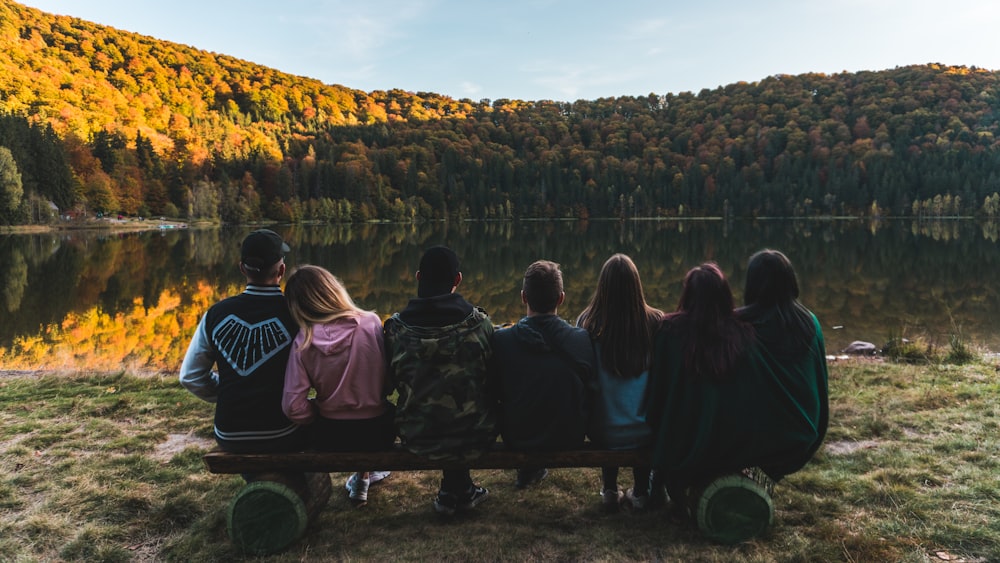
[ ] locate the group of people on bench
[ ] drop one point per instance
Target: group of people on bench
(710, 388)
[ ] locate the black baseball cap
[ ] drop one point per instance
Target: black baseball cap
(262, 249)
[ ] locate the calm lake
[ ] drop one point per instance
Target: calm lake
(82, 299)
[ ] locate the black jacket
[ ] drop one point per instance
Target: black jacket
(546, 370)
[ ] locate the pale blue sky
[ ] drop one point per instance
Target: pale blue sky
(562, 49)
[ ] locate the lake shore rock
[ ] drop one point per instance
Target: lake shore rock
(861, 348)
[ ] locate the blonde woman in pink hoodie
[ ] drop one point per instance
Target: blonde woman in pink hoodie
(339, 353)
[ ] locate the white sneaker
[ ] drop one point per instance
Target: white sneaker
(637, 502)
(373, 477)
(357, 488)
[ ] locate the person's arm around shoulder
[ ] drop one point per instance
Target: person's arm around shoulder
(590, 358)
(196, 370)
(659, 372)
(489, 330)
(492, 384)
(374, 327)
(387, 344)
(822, 384)
(295, 397)
(494, 367)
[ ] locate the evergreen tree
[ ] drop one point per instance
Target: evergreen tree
(11, 190)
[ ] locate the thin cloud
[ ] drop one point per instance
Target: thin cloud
(570, 81)
(356, 42)
(470, 89)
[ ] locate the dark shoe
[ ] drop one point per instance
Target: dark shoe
(678, 515)
(448, 503)
(611, 500)
(476, 496)
(528, 477)
(657, 494)
(445, 503)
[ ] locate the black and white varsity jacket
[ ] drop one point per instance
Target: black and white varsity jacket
(248, 338)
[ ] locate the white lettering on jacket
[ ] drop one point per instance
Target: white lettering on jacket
(246, 346)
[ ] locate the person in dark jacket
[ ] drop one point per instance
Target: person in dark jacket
(547, 372)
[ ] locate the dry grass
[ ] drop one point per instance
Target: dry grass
(107, 467)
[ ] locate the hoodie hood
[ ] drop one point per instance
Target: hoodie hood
(336, 337)
(529, 331)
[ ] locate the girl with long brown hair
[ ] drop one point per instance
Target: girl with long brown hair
(792, 349)
(714, 338)
(621, 324)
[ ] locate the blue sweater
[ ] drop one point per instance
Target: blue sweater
(620, 417)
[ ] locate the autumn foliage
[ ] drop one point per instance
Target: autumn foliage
(124, 123)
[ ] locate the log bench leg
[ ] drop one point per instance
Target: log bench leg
(734, 508)
(273, 510)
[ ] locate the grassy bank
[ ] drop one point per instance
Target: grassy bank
(108, 467)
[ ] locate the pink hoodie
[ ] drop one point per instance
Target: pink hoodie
(345, 363)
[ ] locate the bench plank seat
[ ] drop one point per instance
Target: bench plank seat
(398, 459)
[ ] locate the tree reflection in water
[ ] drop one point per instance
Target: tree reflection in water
(85, 300)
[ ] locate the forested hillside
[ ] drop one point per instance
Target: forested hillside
(101, 120)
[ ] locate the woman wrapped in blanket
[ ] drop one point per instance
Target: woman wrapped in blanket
(792, 351)
(733, 391)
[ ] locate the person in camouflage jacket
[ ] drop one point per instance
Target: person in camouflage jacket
(438, 348)
(442, 411)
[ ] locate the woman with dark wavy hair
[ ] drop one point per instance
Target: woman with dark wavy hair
(621, 324)
(699, 366)
(771, 301)
(714, 339)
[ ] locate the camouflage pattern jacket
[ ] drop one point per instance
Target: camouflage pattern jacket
(445, 409)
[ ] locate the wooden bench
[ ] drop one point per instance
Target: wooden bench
(270, 513)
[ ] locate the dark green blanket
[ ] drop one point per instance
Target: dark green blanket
(772, 412)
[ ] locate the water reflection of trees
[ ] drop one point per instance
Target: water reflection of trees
(874, 279)
(927, 279)
(13, 281)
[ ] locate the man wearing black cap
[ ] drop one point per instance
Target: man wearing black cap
(248, 338)
(438, 348)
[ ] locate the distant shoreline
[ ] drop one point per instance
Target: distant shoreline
(103, 224)
(132, 224)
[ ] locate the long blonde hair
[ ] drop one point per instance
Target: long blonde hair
(315, 296)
